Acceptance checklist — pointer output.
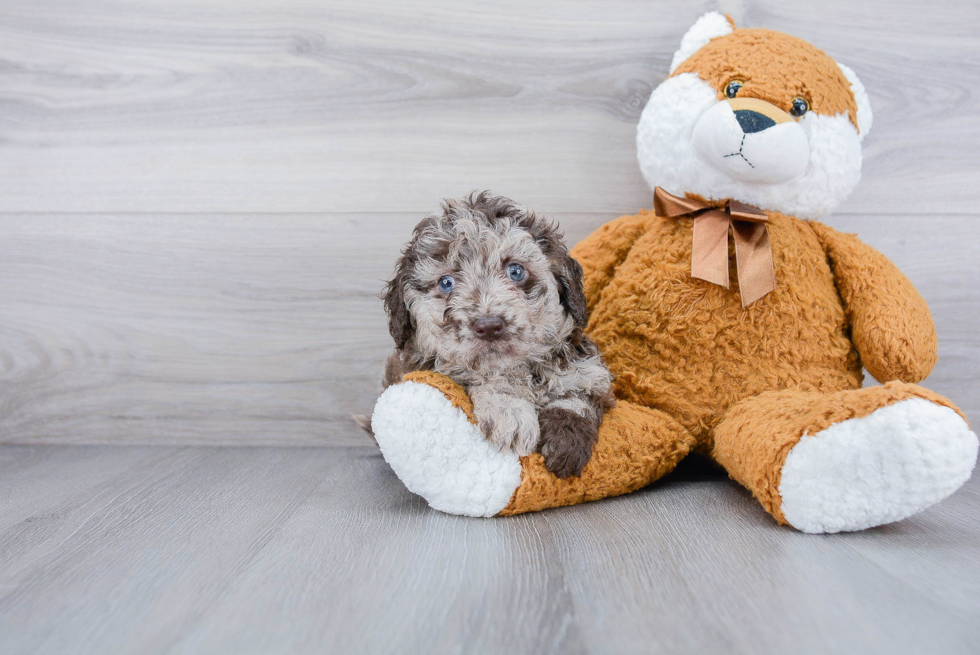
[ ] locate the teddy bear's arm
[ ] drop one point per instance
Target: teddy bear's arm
(890, 322)
(604, 250)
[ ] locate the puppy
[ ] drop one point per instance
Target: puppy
(487, 294)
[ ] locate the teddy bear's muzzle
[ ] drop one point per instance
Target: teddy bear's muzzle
(752, 140)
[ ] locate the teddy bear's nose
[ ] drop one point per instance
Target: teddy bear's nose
(752, 121)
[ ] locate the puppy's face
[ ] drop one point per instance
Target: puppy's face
(484, 286)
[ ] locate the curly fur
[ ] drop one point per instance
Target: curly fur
(542, 367)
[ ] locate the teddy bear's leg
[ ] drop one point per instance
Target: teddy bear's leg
(848, 460)
(636, 446)
(426, 432)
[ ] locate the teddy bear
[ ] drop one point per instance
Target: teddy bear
(735, 324)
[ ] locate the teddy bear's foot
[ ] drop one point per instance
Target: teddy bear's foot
(880, 468)
(850, 460)
(426, 431)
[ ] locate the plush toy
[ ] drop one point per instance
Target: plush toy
(735, 324)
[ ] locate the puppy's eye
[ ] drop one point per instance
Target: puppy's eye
(446, 283)
(732, 89)
(516, 272)
(800, 107)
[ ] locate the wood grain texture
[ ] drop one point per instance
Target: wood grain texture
(266, 106)
(199, 202)
(180, 329)
(262, 329)
(295, 550)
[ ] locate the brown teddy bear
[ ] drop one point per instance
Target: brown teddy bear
(735, 325)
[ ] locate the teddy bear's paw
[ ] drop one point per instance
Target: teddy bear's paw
(876, 469)
(440, 455)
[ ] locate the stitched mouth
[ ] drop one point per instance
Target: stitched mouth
(739, 153)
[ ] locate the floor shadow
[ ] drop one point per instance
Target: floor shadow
(695, 468)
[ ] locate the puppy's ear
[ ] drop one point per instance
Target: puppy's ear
(399, 319)
(568, 273)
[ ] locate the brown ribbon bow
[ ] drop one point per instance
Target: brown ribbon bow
(709, 255)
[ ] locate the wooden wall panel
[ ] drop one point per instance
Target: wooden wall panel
(199, 201)
(270, 106)
(266, 329)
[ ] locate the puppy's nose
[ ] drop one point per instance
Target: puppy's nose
(489, 327)
(752, 121)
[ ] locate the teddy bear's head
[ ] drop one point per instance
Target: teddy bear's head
(758, 116)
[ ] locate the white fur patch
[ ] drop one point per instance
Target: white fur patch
(711, 25)
(668, 158)
(771, 156)
(877, 469)
(865, 117)
(439, 455)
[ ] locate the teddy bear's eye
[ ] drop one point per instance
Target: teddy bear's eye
(800, 107)
(732, 89)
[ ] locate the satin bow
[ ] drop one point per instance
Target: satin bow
(709, 254)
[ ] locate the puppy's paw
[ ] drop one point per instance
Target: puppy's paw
(507, 421)
(566, 441)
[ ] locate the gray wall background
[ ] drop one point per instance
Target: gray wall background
(199, 201)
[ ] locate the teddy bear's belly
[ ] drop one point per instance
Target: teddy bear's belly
(687, 347)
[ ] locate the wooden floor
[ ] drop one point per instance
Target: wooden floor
(199, 203)
(321, 550)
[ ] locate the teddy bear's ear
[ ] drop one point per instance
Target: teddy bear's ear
(864, 115)
(709, 26)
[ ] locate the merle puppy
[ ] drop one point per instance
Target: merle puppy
(487, 294)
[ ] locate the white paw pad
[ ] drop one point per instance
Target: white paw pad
(438, 454)
(877, 469)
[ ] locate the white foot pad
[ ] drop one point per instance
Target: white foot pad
(438, 454)
(877, 469)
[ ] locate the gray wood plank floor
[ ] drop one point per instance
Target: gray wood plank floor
(313, 550)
